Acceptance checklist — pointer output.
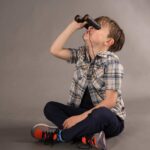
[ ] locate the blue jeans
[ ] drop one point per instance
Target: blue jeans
(101, 119)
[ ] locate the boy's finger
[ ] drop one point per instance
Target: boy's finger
(64, 122)
(65, 126)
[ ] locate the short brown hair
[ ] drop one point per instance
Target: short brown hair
(115, 32)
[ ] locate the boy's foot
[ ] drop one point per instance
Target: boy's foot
(45, 133)
(98, 141)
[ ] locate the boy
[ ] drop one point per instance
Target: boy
(95, 108)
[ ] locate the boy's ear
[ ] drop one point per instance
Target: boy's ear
(109, 42)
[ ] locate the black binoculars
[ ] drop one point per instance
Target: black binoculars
(90, 21)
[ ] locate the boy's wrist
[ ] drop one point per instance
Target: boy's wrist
(85, 114)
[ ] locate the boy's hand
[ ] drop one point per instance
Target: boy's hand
(71, 121)
(77, 25)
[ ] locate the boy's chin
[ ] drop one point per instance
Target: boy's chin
(85, 39)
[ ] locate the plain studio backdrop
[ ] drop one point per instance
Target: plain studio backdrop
(30, 76)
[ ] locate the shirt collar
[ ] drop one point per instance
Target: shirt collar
(103, 53)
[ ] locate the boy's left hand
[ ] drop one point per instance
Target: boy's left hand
(71, 121)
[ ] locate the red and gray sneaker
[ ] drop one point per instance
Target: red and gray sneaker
(98, 141)
(45, 133)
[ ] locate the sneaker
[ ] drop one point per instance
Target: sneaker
(98, 141)
(45, 133)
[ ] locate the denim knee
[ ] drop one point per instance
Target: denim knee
(101, 113)
(48, 109)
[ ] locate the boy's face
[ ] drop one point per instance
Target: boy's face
(98, 38)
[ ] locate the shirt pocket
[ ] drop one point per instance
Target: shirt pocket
(81, 70)
(97, 78)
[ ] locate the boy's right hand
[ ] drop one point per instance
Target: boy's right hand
(75, 25)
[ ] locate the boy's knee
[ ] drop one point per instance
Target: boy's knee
(101, 113)
(49, 107)
(101, 110)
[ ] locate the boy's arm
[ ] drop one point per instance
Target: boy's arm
(57, 48)
(109, 102)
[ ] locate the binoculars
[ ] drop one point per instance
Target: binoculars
(90, 21)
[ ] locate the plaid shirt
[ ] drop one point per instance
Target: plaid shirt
(103, 73)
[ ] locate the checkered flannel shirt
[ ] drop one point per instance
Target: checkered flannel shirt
(102, 73)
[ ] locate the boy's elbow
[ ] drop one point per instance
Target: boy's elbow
(52, 51)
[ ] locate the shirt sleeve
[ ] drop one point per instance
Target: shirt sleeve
(113, 75)
(74, 55)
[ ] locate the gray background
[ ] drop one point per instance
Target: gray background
(30, 76)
